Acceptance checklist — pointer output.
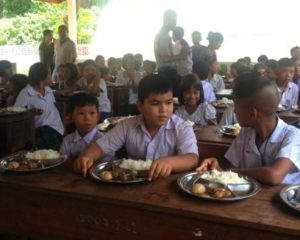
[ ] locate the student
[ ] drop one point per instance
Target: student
(194, 108)
(215, 40)
(96, 85)
(69, 78)
(295, 52)
(263, 59)
(16, 83)
(100, 61)
(271, 69)
(201, 69)
(46, 49)
(182, 53)
(149, 67)
(213, 78)
(156, 134)
(197, 49)
(267, 148)
(287, 90)
(38, 97)
(139, 62)
(105, 74)
(260, 69)
(83, 110)
(131, 78)
(6, 72)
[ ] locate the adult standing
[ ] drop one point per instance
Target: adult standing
(163, 41)
(46, 49)
(64, 49)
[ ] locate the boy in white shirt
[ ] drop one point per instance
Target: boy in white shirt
(266, 149)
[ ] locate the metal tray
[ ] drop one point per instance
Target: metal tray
(288, 195)
(6, 112)
(185, 183)
(97, 169)
(20, 156)
(227, 134)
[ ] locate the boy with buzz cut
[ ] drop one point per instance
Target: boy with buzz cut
(83, 111)
(155, 134)
(287, 90)
(267, 148)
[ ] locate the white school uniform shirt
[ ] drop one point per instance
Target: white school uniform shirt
(209, 95)
(229, 116)
(184, 66)
(104, 102)
(30, 99)
(133, 97)
(73, 144)
(201, 116)
(217, 83)
(289, 97)
(283, 143)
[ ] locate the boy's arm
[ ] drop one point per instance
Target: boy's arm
(165, 165)
(270, 175)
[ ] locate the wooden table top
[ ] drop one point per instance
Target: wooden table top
(211, 134)
(263, 211)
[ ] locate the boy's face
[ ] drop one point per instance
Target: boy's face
(196, 38)
(90, 72)
(157, 108)
(191, 97)
(285, 74)
(243, 112)
(85, 118)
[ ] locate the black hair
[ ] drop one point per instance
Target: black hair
(73, 69)
(126, 58)
(99, 56)
(215, 37)
(285, 62)
(196, 33)
(104, 70)
(294, 49)
(152, 63)
(171, 73)
(19, 81)
(89, 62)
(272, 64)
(82, 99)
(210, 59)
(38, 73)
(191, 81)
(258, 66)
(178, 32)
(46, 32)
(242, 69)
(263, 59)
(201, 69)
(63, 27)
(155, 83)
(4, 65)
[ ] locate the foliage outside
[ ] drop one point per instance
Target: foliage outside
(26, 23)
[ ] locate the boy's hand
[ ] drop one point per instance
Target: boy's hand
(209, 164)
(82, 164)
(160, 168)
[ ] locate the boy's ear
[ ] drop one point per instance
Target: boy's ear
(140, 106)
(254, 113)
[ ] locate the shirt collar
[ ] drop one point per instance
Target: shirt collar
(288, 86)
(33, 92)
(87, 138)
(278, 133)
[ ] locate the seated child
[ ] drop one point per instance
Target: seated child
(100, 61)
(38, 97)
(6, 71)
(201, 69)
(16, 83)
(287, 90)
(182, 53)
(156, 134)
(267, 148)
(271, 69)
(83, 110)
(213, 78)
(260, 69)
(149, 67)
(194, 108)
(96, 85)
(69, 77)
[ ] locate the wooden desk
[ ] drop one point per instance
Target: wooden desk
(58, 204)
(118, 97)
(61, 104)
(16, 132)
(211, 142)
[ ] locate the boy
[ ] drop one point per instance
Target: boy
(149, 67)
(266, 149)
(83, 111)
(287, 90)
(156, 134)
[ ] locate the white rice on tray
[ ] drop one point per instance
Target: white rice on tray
(136, 164)
(43, 154)
(226, 177)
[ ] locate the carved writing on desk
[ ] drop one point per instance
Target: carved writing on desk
(108, 223)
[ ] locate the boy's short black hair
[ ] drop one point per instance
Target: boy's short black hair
(46, 32)
(82, 99)
(89, 62)
(201, 69)
(272, 64)
(154, 83)
(4, 64)
(19, 81)
(285, 62)
(38, 73)
(178, 32)
(104, 70)
(151, 63)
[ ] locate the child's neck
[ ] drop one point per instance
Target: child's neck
(152, 129)
(191, 109)
(282, 84)
(40, 89)
(264, 129)
(210, 76)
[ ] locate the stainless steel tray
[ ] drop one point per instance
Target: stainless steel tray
(288, 196)
(97, 169)
(185, 183)
(20, 157)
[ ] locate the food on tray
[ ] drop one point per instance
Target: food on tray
(106, 175)
(225, 177)
(13, 165)
(220, 193)
(116, 175)
(223, 102)
(43, 154)
(136, 165)
(198, 188)
(232, 129)
(15, 109)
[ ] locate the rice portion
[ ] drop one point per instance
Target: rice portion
(226, 177)
(43, 154)
(136, 164)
